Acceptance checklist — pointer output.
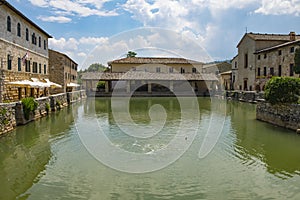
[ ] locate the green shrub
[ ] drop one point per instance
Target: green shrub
(58, 104)
(29, 105)
(47, 107)
(101, 84)
(282, 90)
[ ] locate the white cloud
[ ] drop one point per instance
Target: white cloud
(279, 7)
(81, 8)
(40, 3)
(63, 45)
(93, 40)
(59, 19)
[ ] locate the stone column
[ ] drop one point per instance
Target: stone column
(128, 86)
(149, 87)
(171, 86)
(106, 86)
(193, 85)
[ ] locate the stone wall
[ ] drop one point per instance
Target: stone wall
(12, 114)
(287, 116)
(75, 96)
(250, 96)
(7, 117)
(58, 101)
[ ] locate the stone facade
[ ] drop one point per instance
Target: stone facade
(287, 116)
(63, 71)
(23, 52)
(256, 51)
(275, 61)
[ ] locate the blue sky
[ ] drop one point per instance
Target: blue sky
(102, 30)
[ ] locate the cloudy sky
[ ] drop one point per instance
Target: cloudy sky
(102, 30)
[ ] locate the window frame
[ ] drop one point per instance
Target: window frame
(19, 64)
(19, 29)
(27, 34)
(9, 62)
(8, 23)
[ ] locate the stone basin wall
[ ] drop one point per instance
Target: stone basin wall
(284, 115)
(7, 117)
(12, 114)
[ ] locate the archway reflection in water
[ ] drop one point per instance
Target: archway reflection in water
(252, 159)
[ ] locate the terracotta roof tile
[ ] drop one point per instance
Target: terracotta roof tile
(148, 76)
(154, 60)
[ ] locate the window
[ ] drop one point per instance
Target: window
(265, 56)
(279, 70)
(45, 44)
(265, 71)
(245, 84)
(194, 70)
(40, 42)
(235, 64)
(27, 66)
(27, 34)
(8, 62)
(34, 67)
(157, 69)
(246, 61)
(292, 50)
(258, 71)
(279, 52)
(171, 70)
(258, 57)
(272, 71)
(291, 69)
(33, 39)
(40, 68)
(45, 69)
(19, 30)
(182, 70)
(8, 24)
(19, 64)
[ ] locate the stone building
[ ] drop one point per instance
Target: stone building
(261, 56)
(63, 70)
(151, 75)
(223, 72)
(23, 55)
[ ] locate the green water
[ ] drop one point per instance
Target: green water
(251, 160)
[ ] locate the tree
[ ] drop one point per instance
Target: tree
(131, 54)
(297, 61)
(282, 90)
(96, 67)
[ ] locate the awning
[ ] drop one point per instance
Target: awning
(73, 85)
(25, 83)
(40, 83)
(35, 83)
(52, 84)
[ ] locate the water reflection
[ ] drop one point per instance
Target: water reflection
(25, 152)
(46, 159)
(275, 147)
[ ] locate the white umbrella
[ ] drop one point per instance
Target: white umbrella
(52, 84)
(73, 85)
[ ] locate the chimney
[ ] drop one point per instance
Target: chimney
(292, 36)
